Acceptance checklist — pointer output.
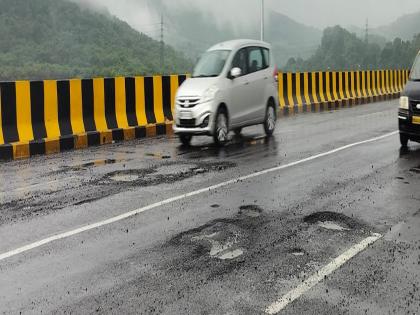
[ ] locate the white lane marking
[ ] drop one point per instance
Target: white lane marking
(180, 197)
(319, 275)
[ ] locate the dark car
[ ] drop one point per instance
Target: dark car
(409, 111)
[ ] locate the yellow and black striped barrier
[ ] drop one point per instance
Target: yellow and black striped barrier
(44, 117)
(318, 91)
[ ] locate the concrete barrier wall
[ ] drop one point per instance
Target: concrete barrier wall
(311, 91)
(44, 117)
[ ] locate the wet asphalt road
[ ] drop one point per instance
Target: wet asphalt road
(232, 250)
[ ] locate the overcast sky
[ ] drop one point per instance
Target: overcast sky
(321, 13)
(318, 13)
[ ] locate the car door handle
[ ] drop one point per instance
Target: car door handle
(246, 83)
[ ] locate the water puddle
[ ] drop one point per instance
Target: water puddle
(85, 166)
(167, 173)
(232, 254)
(330, 225)
(158, 156)
(297, 252)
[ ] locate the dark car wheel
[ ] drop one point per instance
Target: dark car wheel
(270, 119)
(221, 128)
(404, 140)
(185, 139)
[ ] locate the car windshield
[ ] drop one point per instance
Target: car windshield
(211, 64)
(415, 71)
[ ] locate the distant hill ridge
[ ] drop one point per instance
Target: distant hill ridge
(405, 27)
(46, 39)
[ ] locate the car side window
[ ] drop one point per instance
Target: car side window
(240, 61)
(256, 60)
(266, 55)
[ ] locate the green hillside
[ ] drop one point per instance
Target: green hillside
(57, 39)
(342, 50)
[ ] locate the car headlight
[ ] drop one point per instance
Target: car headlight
(209, 94)
(404, 102)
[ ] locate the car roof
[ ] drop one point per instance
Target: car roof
(237, 43)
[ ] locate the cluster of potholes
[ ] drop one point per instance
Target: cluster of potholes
(223, 239)
(229, 239)
(162, 174)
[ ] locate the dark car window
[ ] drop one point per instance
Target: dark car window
(240, 61)
(266, 55)
(415, 71)
(255, 59)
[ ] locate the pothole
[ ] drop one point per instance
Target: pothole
(415, 170)
(252, 211)
(223, 243)
(173, 169)
(332, 221)
(88, 165)
(163, 174)
(125, 178)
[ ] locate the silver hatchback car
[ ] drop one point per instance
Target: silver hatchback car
(233, 85)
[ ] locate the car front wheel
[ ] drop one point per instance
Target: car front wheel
(185, 139)
(403, 140)
(270, 119)
(222, 128)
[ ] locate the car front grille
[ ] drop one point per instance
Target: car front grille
(188, 102)
(187, 123)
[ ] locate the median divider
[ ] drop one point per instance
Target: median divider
(45, 117)
(320, 91)
(51, 116)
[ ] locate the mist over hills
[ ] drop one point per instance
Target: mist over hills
(405, 27)
(193, 31)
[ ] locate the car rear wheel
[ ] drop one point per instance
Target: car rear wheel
(270, 119)
(185, 139)
(222, 128)
(404, 140)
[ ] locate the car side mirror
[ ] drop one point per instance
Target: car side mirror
(235, 72)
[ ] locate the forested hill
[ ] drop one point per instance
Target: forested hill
(46, 39)
(342, 50)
